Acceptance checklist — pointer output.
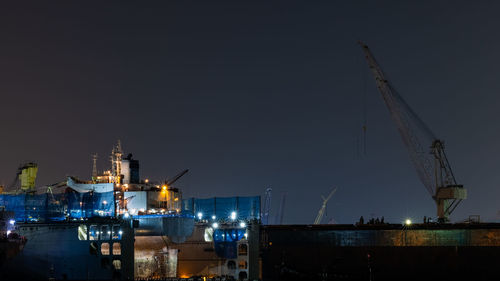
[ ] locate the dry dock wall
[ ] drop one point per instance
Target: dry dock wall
(381, 252)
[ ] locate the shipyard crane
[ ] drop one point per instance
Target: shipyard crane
(425, 149)
(281, 209)
(323, 207)
(267, 206)
(176, 177)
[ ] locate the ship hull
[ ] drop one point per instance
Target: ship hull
(57, 251)
(9, 248)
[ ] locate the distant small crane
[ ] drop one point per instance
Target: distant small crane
(281, 210)
(267, 206)
(94, 166)
(323, 207)
(176, 177)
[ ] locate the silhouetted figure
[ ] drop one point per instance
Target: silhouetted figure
(425, 219)
(382, 220)
(377, 221)
(361, 220)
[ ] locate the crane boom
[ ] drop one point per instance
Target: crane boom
(426, 151)
(321, 211)
(176, 177)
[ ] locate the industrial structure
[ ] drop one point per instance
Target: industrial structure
(121, 227)
(432, 251)
(281, 209)
(118, 226)
(321, 211)
(267, 206)
(425, 149)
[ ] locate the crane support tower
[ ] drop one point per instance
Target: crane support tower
(426, 151)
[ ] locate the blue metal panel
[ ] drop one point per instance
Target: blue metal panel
(48, 207)
(246, 208)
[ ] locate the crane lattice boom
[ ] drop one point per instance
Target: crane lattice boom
(321, 212)
(426, 151)
(267, 206)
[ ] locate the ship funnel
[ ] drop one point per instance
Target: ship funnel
(27, 175)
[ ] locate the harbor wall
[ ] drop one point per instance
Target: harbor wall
(385, 252)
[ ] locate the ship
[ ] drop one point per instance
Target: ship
(85, 230)
(117, 226)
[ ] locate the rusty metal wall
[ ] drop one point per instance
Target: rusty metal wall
(384, 252)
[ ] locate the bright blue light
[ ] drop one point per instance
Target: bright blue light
(12, 222)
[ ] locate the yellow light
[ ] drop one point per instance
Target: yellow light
(164, 187)
(408, 222)
(146, 181)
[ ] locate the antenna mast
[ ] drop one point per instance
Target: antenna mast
(94, 166)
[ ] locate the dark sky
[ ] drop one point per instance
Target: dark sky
(255, 94)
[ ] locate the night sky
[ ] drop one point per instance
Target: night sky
(255, 94)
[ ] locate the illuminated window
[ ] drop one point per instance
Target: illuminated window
(82, 232)
(94, 233)
(105, 232)
(242, 250)
(117, 249)
(105, 249)
(117, 264)
(209, 234)
(242, 264)
(117, 233)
